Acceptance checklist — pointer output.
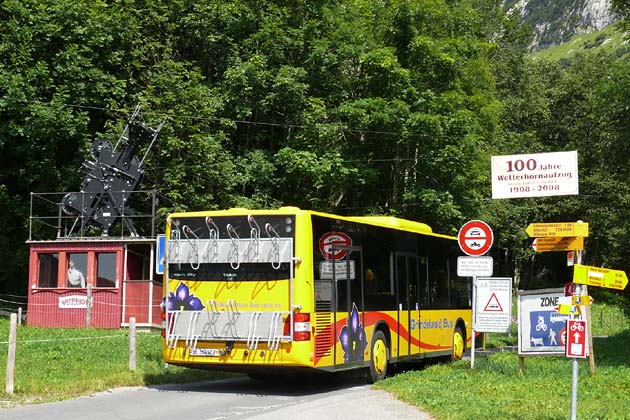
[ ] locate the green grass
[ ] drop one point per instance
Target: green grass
(608, 40)
(607, 319)
(56, 364)
(495, 389)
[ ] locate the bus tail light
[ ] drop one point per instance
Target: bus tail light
(301, 326)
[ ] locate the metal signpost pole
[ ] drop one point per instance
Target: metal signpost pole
(474, 311)
(577, 291)
(574, 382)
(475, 239)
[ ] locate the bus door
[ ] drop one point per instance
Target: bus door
(425, 294)
(407, 280)
(347, 275)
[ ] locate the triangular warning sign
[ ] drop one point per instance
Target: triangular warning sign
(493, 304)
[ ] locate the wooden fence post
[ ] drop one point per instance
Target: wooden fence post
(11, 355)
(132, 343)
(19, 317)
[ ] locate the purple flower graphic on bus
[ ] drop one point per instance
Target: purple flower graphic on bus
(183, 300)
(352, 338)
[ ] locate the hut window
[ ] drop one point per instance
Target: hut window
(77, 269)
(106, 269)
(48, 270)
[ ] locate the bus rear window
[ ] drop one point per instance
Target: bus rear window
(212, 242)
(232, 227)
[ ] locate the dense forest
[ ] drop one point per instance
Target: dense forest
(351, 107)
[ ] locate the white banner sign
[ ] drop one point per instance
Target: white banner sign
(535, 175)
(474, 266)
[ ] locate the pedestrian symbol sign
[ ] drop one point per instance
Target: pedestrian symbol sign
(493, 304)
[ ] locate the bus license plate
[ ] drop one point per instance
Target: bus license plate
(205, 352)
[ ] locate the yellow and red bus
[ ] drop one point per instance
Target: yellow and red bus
(269, 292)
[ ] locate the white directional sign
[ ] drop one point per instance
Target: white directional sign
(474, 266)
(493, 304)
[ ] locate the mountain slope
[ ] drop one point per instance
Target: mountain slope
(557, 21)
(609, 40)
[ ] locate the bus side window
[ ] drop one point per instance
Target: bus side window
(443, 293)
(342, 295)
(438, 288)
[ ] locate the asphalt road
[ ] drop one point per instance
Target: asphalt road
(336, 398)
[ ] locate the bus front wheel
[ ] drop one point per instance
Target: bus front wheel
(459, 344)
(379, 357)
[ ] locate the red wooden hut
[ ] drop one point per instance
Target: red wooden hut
(113, 277)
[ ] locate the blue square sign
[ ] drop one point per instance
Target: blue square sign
(160, 243)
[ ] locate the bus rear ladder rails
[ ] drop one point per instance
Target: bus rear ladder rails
(275, 263)
(233, 315)
(234, 263)
(171, 337)
(252, 338)
(212, 248)
(173, 249)
(274, 339)
(194, 247)
(191, 337)
(214, 314)
(254, 241)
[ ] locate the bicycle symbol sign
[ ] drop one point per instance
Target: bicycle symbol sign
(576, 338)
(575, 326)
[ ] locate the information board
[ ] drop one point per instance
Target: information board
(493, 304)
(541, 329)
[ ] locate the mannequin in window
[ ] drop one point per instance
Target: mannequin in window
(75, 277)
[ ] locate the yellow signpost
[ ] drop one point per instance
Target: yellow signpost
(566, 309)
(582, 300)
(558, 244)
(561, 229)
(602, 277)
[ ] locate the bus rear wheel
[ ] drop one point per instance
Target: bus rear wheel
(459, 344)
(379, 357)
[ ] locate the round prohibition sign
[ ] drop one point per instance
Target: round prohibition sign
(331, 239)
(475, 238)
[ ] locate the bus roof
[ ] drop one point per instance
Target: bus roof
(383, 221)
(395, 222)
